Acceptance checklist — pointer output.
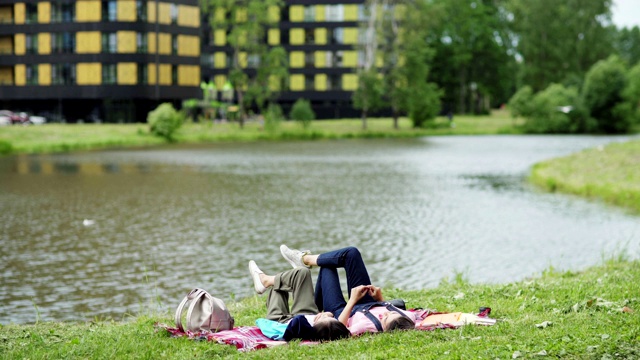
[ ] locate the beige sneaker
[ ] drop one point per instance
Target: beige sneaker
(293, 256)
(255, 275)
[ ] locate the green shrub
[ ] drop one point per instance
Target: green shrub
(164, 121)
(521, 103)
(302, 112)
(273, 117)
(602, 94)
(557, 110)
(631, 93)
(424, 105)
(5, 147)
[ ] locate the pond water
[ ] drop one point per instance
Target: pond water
(164, 220)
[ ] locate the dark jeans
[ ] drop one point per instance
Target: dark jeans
(328, 295)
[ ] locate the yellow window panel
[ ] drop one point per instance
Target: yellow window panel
(350, 59)
(351, 36)
(21, 74)
(220, 60)
(89, 73)
(127, 73)
(296, 36)
(274, 83)
(164, 45)
(296, 82)
(220, 15)
(349, 82)
(165, 74)
(44, 74)
(20, 10)
(220, 80)
(320, 13)
(20, 44)
(320, 82)
(274, 36)
(320, 59)
(89, 11)
(88, 42)
(242, 59)
(220, 37)
(188, 75)
(351, 12)
(44, 43)
(151, 74)
(151, 13)
(274, 14)
(44, 12)
(127, 42)
(241, 15)
(164, 13)
(296, 13)
(320, 35)
(188, 16)
(126, 10)
(296, 59)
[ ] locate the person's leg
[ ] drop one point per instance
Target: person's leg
(299, 283)
(278, 305)
(328, 295)
(348, 258)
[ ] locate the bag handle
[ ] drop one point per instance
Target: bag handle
(192, 295)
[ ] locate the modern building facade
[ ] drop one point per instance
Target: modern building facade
(96, 60)
(115, 60)
(321, 38)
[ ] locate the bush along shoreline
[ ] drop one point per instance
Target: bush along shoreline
(163, 129)
(609, 173)
(592, 314)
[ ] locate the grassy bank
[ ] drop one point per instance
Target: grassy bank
(610, 173)
(67, 137)
(593, 314)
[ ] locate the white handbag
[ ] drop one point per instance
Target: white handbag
(203, 312)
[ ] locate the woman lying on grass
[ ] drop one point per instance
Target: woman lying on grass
(366, 310)
(303, 321)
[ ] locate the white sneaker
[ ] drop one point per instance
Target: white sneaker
(255, 275)
(293, 256)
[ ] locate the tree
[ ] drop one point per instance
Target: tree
(602, 94)
(560, 40)
(631, 93)
(368, 95)
(388, 37)
(272, 72)
(245, 23)
(557, 110)
(422, 97)
(627, 44)
(474, 59)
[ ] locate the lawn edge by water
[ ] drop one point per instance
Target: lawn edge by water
(588, 314)
(53, 138)
(609, 173)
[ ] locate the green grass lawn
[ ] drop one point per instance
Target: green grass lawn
(594, 314)
(610, 173)
(67, 137)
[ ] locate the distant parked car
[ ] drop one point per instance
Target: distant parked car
(21, 118)
(5, 119)
(37, 120)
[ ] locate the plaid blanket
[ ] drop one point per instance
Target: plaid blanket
(247, 338)
(244, 338)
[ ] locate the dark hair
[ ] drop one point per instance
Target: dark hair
(331, 330)
(400, 323)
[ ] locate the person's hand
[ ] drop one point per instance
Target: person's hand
(358, 292)
(375, 292)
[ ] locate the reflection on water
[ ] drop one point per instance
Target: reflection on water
(167, 220)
